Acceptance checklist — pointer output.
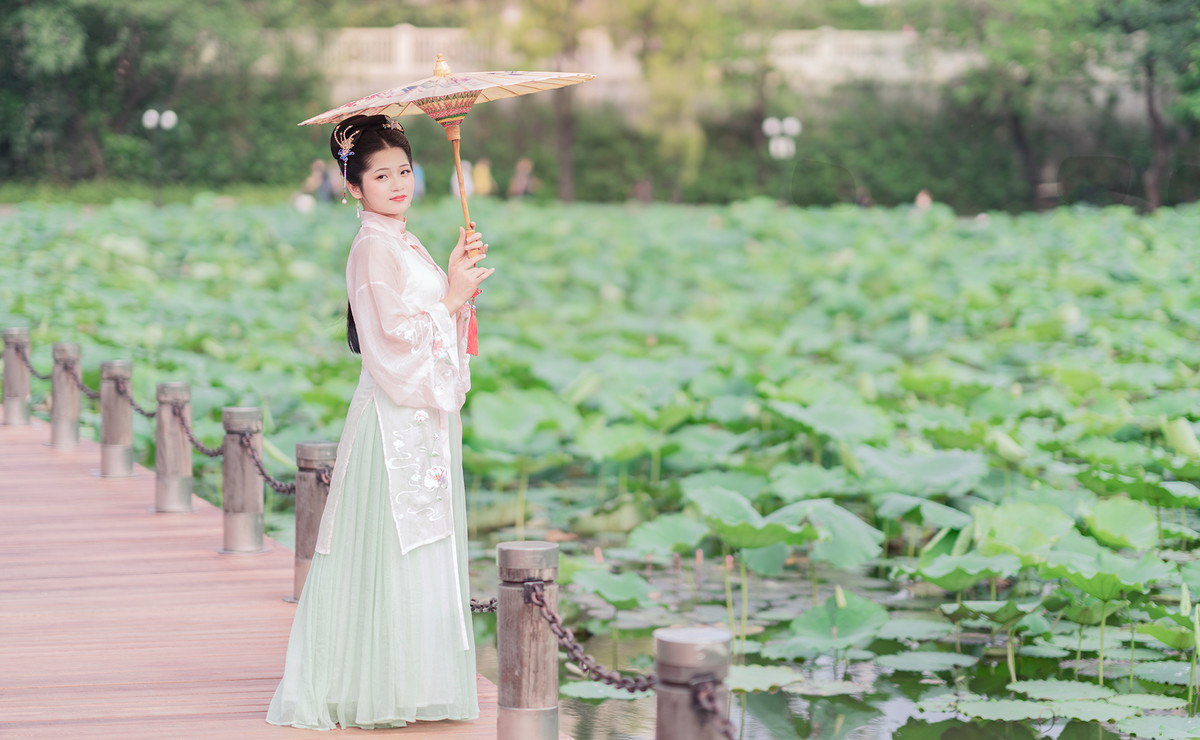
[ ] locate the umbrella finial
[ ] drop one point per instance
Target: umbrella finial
(441, 67)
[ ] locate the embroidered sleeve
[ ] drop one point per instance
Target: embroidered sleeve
(409, 341)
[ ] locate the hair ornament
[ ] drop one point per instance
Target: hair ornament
(393, 124)
(345, 142)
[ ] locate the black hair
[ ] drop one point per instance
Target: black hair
(367, 135)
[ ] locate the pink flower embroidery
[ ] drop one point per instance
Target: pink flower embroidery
(421, 417)
(436, 477)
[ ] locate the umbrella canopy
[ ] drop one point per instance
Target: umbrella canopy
(447, 97)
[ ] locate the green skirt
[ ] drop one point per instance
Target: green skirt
(377, 639)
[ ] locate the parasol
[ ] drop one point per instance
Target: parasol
(447, 98)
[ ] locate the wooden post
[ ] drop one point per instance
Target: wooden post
(685, 655)
(527, 649)
(116, 421)
(172, 451)
(311, 493)
(16, 378)
(64, 396)
(243, 486)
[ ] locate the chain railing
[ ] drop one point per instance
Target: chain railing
(484, 607)
(22, 352)
(704, 694)
(177, 408)
(246, 439)
(69, 368)
(123, 391)
(535, 593)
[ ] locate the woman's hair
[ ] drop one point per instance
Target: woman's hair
(363, 136)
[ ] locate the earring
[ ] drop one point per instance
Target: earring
(358, 208)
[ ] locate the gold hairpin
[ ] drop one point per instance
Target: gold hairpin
(393, 124)
(345, 142)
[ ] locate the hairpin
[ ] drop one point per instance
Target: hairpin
(345, 142)
(393, 124)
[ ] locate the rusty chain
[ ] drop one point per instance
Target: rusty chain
(21, 352)
(535, 594)
(123, 392)
(246, 439)
(177, 407)
(69, 367)
(488, 606)
(704, 694)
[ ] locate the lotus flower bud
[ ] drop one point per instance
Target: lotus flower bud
(1185, 602)
(839, 597)
(1182, 439)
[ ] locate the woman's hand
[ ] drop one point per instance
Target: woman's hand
(465, 276)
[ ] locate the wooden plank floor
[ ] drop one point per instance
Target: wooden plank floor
(119, 623)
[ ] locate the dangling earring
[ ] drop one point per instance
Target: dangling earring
(358, 208)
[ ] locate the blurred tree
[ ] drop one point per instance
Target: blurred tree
(77, 75)
(677, 43)
(1160, 38)
(547, 31)
(1032, 51)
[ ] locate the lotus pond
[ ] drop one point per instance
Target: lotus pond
(936, 474)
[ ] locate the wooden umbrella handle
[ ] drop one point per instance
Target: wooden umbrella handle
(462, 192)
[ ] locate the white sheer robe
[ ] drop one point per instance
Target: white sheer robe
(415, 370)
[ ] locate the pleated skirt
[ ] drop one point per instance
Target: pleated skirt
(378, 638)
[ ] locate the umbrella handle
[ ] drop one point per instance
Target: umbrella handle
(462, 192)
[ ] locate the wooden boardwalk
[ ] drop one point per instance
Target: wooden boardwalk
(116, 622)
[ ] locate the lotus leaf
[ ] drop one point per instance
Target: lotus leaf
(750, 485)
(1107, 575)
(738, 524)
(949, 472)
(837, 421)
(1092, 711)
(844, 540)
(826, 687)
(1023, 529)
(796, 482)
(624, 591)
(1165, 671)
(596, 691)
(915, 629)
(1161, 727)
(667, 533)
(1004, 613)
(958, 572)
(767, 561)
(1056, 690)
(1148, 701)
(1120, 522)
(920, 661)
(1170, 634)
(760, 677)
(830, 627)
(920, 510)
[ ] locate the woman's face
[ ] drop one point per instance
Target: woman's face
(387, 184)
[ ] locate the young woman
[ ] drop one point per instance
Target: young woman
(382, 634)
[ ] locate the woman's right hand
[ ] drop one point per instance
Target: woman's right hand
(464, 273)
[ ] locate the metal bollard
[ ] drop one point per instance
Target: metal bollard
(116, 421)
(64, 395)
(16, 378)
(172, 451)
(311, 493)
(243, 498)
(686, 656)
(527, 649)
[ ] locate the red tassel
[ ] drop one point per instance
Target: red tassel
(473, 334)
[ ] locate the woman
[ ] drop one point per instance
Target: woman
(382, 634)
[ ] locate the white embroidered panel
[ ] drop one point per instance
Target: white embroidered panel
(415, 371)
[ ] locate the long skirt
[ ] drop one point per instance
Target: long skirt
(378, 639)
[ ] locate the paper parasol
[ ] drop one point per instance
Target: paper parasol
(447, 98)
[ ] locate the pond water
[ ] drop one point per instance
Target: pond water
(890, 704)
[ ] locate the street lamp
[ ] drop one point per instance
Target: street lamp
(154, 121)
(781, 136)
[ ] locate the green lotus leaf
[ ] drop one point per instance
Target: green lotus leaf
(837, 421)
(1006, 710)
(803, 481)
(1108, 575)
(1165, 671)
(767, 561)
(1170, 634)
(958, 572)
(1024, 529)
(666, 534)
(1056, 690)
(624, 591)
(949, 472)
(844, 540)
(830, 627)
(915, 629)
(920, 661)
(1148, 701)
(596, 691)
(736, 522)
(1121, 522)
(920, 510)
(1162, 727)
(1092, 711)
(760, 677)
(1003, 613)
